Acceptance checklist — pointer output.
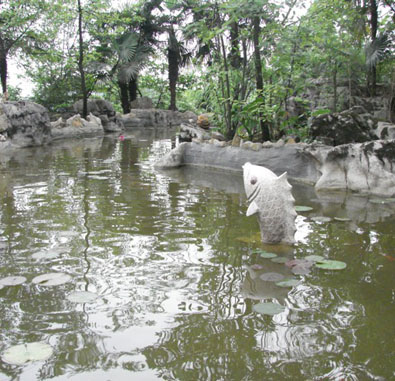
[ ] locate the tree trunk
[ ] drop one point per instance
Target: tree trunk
(334, 82)
(3, 66)
(373, 34)
(234, 56)
(81, 64)
(3, 71)
(172, 57)
(132, 88)
(123, 87)
(230, 130)
(256, 31)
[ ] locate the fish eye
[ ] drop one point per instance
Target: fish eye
(253, 180)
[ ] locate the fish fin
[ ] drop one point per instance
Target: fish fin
(282, 180)
(282, 177)
(252, 209)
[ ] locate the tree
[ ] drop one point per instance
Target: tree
(19, 30)
(177, 56)
(132, 56)
(81, 62)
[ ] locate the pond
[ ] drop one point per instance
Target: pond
(175, 269)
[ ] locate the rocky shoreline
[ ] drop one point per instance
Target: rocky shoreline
(360, 167)
(27, 124)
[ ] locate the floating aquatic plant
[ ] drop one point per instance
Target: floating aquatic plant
(12, 280)
(268, 308)
(23, 353)
(301, 270)
(328, 264)
(290, 282)
(82, 297)
(303, 208)
(300, 266)
(265, 254)
(51, 279)
(321, 219)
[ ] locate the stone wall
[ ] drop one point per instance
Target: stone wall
(367, 168)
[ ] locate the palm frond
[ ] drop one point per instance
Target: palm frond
(375, 50)
(130, 70)
(126, 46)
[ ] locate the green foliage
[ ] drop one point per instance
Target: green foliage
(376, 50)
(14, 93)
(326, 48)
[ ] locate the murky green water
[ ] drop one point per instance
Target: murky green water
(170, 256)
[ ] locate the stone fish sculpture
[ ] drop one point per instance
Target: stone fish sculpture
(269, 196)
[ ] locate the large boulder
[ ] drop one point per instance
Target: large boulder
(24, 124)
(111, 120)
(350, 126)
(362, 168)
(142, 103)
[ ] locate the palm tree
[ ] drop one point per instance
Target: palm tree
(177, 56)
(375, 51)
(132, 56)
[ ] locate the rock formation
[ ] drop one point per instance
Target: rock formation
(355, 125)
(363, 168)
(157, 118)
(23, 124)
(111, 121)
(142, 103)
(76, 127)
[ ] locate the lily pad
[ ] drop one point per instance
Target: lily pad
(391, 199)
(265, 254)
(82, 297)
(280, 260)
(321, 219)
(303, 208)
(290, 282)
(329, 264)
(12, 280)
(23, 353)
(299, 262)
(272, 277)
(301, 270)
(268, 308)
(342, 219)
(51, 279)
(314, 258)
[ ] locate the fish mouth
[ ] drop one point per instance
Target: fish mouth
(254, 194)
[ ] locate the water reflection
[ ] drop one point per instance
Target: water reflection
(170, 255)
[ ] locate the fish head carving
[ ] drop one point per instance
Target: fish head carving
(255, 178)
